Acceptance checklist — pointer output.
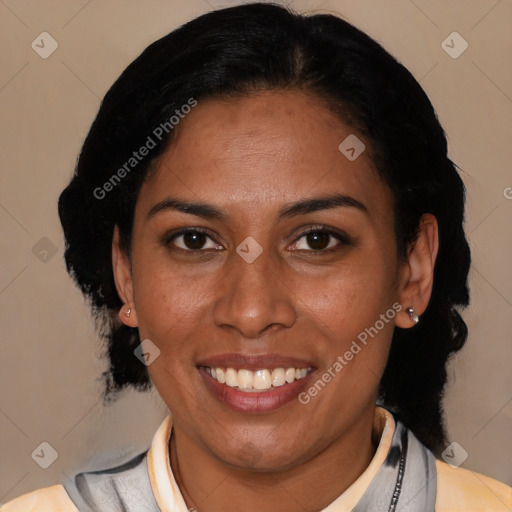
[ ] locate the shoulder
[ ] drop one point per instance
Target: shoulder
(462, 490)
(47, 499)
(120, 488)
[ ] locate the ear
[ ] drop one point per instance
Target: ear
(417, 273)
(121, 267)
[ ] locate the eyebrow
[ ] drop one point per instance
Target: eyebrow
(301, 207)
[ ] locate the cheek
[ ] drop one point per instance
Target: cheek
(354, 322)
(349, 297)
(336, 304)
(351, 313)
(171, 303)
(169, 311)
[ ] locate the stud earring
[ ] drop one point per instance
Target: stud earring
(412, 314)
(128, 312)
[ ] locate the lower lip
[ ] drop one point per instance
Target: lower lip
(254, 402)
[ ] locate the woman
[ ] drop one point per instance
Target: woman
(266, 221)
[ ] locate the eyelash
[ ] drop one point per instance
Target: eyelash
(339, 235)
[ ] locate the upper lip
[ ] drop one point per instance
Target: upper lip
(254, 361)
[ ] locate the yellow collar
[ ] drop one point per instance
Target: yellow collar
(170, 499)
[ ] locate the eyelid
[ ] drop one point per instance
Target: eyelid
(339, 234)
(336, 233)
(168, 238)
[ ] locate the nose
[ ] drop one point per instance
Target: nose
(252, 298)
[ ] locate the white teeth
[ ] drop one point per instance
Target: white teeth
(231, 378)
(245, 380)
(221, 375)
(290, 375)
(300, 373)
(261, 380)
(278, 377)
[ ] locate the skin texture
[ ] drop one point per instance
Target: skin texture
(249, 158)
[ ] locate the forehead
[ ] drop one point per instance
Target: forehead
(263, 150)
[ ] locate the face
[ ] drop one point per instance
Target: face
(258, 245)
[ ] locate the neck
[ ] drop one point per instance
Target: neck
(209, 485)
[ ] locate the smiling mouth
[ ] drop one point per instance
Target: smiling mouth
(256, 381)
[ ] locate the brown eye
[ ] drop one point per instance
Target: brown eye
(322, 239)
(318, 240)
(192, 240)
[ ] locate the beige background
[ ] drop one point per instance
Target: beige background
(49, 363)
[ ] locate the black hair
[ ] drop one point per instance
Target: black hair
(236, 51)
